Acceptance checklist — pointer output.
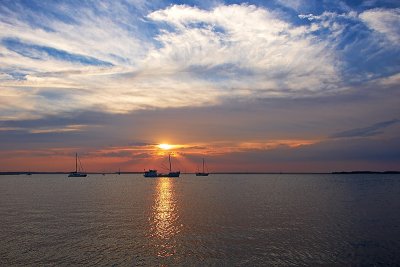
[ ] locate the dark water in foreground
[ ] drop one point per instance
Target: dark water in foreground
(231, 220)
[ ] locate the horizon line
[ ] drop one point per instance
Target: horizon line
(136, 172)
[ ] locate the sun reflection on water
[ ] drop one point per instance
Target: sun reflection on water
(165, 224)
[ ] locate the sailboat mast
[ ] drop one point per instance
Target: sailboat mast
(76, 162)
(203, 164)
(169, 158)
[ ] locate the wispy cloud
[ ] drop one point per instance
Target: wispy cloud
(372, 130)
(46, 130)
(202, 57)
(126, 56)
(45, 52)
(67, 128)
(250, 48)
(385, 22)
(292, 4)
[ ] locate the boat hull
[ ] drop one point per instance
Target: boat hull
(150, 174)
(74, 174)
(174, 174)
(170, 174)
(201, 174)
(155, 174)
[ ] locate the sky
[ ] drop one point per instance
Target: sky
(255, 86)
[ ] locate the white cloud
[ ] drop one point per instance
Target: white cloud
(384, 21)
(98, 36)
(202, 57)
(330, 20)
(277, 54)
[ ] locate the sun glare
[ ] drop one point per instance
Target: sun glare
(165, 146)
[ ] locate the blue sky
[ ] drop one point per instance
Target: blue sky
(273, 72)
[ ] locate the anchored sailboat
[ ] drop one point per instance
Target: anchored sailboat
(202, 173)
(76, 173)
(153, 173)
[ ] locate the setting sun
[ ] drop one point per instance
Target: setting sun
(165, 146)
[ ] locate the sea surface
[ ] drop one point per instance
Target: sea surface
(220, 220)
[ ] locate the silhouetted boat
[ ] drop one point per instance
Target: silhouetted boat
(202, 173)
(154, 173)
(150, 173)
(76, 173)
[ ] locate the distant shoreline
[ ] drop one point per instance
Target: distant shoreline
(366, 172)
(341, 172)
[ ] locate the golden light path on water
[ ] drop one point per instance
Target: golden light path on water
(165, 217)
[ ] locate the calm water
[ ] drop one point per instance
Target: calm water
(231, 220)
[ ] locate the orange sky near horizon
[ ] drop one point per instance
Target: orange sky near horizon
(220, 157)
(185, 157)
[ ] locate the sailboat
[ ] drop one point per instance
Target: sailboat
(76, 173)
(153, 173)
(202, 173)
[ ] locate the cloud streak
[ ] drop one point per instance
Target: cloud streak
(366, 131)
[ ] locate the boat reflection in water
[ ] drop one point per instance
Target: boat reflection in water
(165, 223)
